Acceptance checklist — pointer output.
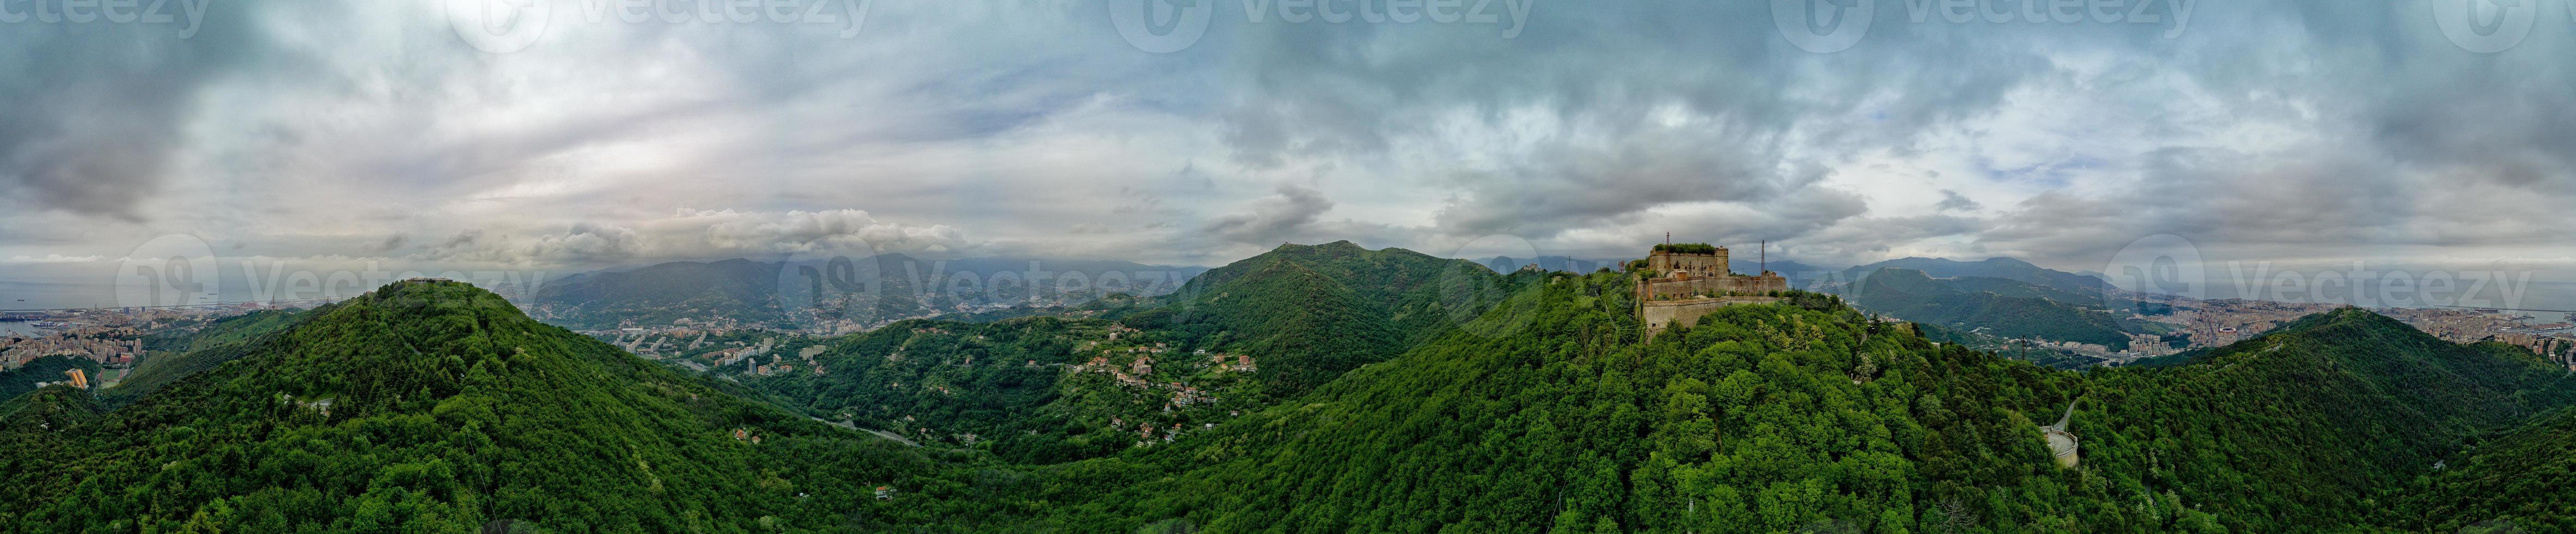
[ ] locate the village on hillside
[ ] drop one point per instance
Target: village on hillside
(114, 338)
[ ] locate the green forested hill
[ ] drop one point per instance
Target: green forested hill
(1752, 422)
(2005, 268)
(1915, 296)
(1321, 310)
(740, 289)
(174, 354)
(1239, 338)
(1005, 385)
(234, 329)
(1546, 413)
(1312, 327)
(2521, 481)
(19, 381)
(2323, 418)
(1812, 419)
(447, 411)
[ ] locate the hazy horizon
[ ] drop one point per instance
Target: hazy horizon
(279, 266)
(564, 136)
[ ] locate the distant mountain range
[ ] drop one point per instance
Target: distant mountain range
(2005, 268)
(2030, 301)
(1506, 264)
(1598, 430)
(844, 292)
(434, 407)
(2001, 307)
(1412, 394)
(1988, 302)
(1239, 337)
(1325, 309)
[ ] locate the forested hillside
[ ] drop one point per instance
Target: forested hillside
(1048, 389)
(177, 353)
(2519, 481)
(2019, 312)
(1324, 309)
(1764, 418)
(740, 289)
(2005, 268)
(2322, 420)
(437, 407)
(201, 335)
(19, 381)
(1010, 387)
(1813, 418)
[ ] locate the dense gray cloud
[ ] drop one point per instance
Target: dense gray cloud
(1953, 201)
(1269, 220)
(2291, 130)
(701, 234)
(95, 111)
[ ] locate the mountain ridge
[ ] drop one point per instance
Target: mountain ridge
(1916, 296)
(1995, 267)
(892, 286)
(475, 415)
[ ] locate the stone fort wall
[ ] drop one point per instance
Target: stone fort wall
(1664, 289)
(1680, 292)
(1659, 315)
(1691, 264)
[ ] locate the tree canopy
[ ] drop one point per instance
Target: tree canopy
(438, 407)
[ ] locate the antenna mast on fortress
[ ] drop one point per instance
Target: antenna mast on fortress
(1766, 257)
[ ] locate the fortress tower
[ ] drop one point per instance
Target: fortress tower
(1692, 264)
(1682, 282)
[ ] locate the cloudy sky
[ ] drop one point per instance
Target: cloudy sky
(588, 133)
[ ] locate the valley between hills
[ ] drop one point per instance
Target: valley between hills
(1325, 388)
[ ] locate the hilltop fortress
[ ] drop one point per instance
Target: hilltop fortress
(1681, 282)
